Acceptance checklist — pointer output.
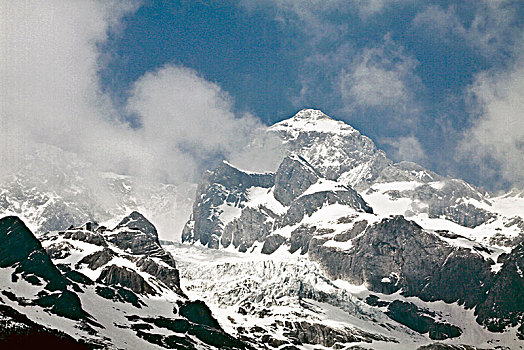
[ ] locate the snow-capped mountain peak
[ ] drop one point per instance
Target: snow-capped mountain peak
(313, 120)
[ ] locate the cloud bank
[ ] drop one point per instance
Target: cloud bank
(50, 95)
(495, 142)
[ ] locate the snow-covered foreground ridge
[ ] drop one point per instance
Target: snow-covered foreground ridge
(94, 287)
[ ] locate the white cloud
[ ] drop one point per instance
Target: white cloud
(367, 8)
(498, 133)
(185, 116)
(406, 148)
(50, 95)
(48, 70)
(380, 77)
(439, 23)
(491, 30)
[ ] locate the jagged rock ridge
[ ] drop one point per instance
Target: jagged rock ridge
(92, 279)
(447, 240)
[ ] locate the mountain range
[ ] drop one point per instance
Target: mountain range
(337, 247)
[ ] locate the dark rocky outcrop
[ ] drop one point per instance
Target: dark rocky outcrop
(392, 254)
(353, 232)
(73, 275)
(463, 276)
(463, 214)
(137, 222)
(272, 243)
(315, 333)
(121, 276)
(119, 294)
(135, 235)
(300, 238)
(19, 332)
(59, 250)
(198, 322)
(98, 259)
(421, 321)
(167, 275)
(86, 236)
(226, 184)
(19, 248)
(504, 303)
(293, 177)
(396, 253)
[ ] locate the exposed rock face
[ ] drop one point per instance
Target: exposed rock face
(300, 238)
(252, 225)
(333, 148)
(98, 259)
(394, 250)
(462, 277)
(294, 176)
(136, 235)
(226, 184)
(421, 321)
(396, 253)
(272, 243)
(463, 214)
(167, 275)
(504, 302)
(137, 222)
(121, 276)
(86, 236)
(353, 232)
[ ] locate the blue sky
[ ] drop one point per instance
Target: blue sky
(274, 58)
(437, 82)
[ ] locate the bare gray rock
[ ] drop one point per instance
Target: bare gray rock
(272, 243)
(121, 276)
(226, 184)
(293, 177)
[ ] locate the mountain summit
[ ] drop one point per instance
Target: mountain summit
(392, 231)
(337, 247)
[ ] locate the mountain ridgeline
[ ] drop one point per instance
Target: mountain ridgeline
(331, 199)
(336, 247)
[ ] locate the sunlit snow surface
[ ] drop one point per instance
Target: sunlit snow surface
(267, 288)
